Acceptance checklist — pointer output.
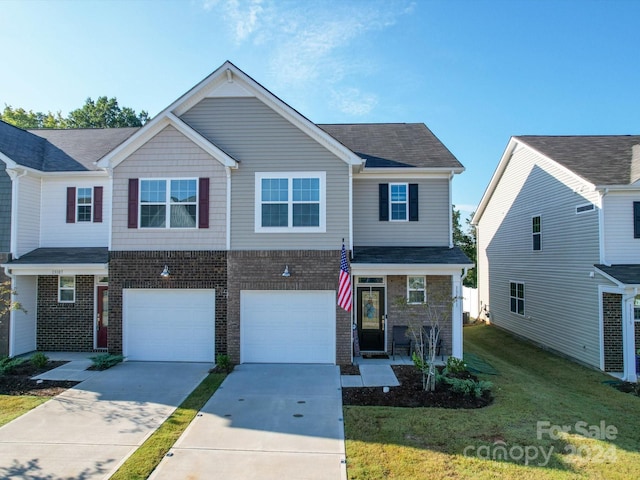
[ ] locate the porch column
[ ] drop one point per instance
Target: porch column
(456, 317)
(628, 338)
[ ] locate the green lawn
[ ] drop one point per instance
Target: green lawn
(531, 386)
(12, 406)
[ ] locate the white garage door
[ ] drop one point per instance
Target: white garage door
(174, 325)
(287, 326)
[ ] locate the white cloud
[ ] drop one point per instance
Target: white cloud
(243, 15)
(353, 102)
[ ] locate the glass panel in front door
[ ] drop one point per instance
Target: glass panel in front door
(371, 318)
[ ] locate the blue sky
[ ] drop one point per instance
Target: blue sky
(476, 72)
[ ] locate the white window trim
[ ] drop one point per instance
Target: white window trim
(167, 203)
(406, 202)
(533, 234)
(591, 208)
(524, 298)
(78, 204)
(60, 289)
(259, 176)
(424, 290)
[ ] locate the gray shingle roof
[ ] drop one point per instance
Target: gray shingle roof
(410, 255)
(394, 144)
(75, 255)
(628, 274)
(60, 150)
(599, 159)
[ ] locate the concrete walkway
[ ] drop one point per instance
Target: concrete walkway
(371, 376)
(89, 430)
(267, 422)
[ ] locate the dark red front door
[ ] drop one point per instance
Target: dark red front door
(103, 317)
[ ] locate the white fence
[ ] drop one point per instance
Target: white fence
(470, 301)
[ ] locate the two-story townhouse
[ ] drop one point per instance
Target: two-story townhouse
(227, 215)
(58, 220)
(269, 197)
(558, 254)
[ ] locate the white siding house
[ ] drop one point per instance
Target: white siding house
(554, 226)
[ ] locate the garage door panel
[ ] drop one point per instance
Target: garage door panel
(169, 325)
(287, 326)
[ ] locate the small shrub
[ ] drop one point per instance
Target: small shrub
(8, 365)
(105, 360)
(467, 386)
(223, 363)
(454, 366)
(39, 360)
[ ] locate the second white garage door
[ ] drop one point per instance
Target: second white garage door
(176, 325)
(287, 326)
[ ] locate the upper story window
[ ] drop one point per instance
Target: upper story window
(84, 204)
(168, 203)
(398, 202)
(516, 294)
(636, 308)
(66, 289)
(416, 289)
(536, 230)
(636, 219)
(290, 202)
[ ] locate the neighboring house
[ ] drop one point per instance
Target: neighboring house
(227, 213)
(558, 233)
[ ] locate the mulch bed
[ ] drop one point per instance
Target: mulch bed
(409, 393)
(19, 382)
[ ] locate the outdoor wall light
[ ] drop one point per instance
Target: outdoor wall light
(286, 271)
(165, 273)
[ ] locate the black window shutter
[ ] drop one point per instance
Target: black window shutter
(97, 204)
(636, 219)
(71, 204)
(133, 203)
(203, 203)
(383, 197)
(413, 202)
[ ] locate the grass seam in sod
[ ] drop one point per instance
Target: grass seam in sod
(147, 457)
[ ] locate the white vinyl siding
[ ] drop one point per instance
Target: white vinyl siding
(56, 232)
(170, 155)
(619, 242)
(28, 210)
(432, 229)
(561, 298)
(263, 141)
(23, 328)
(5, 209)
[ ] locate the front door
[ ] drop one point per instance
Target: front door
(103, 317)
(371, 318)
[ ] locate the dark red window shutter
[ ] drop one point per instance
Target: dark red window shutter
(97, 204)
(413, 202)
(133, 203)
(383, 200)
(71, 204)
(203, 203)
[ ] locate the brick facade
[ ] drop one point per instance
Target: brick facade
(612, 319)
(4, 319)
(65, 327)
(262, 270)
(437, 287)
(189, 269)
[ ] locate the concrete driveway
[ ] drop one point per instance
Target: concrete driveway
(267, 422)
(89, 430)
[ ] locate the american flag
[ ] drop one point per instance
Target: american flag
(344, 289)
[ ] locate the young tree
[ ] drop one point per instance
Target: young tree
(424, 323)
(6, 304)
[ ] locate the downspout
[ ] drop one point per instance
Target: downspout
(7, 272)
(14, 210)
(228, 236)
(601, 233)
(351, 210)
(451, 209)
(628, 339)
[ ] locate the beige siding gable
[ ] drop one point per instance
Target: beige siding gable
(170, 155)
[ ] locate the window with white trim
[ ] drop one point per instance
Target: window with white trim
(399, 202)
(536, 231)
(636, 309)
(66, 289)
(84, 204)
(416, 289)
(288, 201)
(516, 296)
(168, 203)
